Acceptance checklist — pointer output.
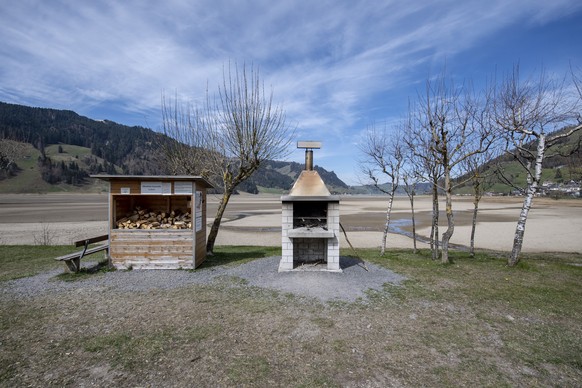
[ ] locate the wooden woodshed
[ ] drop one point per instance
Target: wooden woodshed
(157, 222)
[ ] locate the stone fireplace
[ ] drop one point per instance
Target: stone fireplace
(310, 222)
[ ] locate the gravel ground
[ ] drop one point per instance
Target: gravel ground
(349, 285)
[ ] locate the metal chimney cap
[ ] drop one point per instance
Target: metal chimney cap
(309, 144)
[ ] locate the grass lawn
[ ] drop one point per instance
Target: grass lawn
(17, 261)
(472, 323)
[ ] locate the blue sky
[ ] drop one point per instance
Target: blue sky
(335, 66)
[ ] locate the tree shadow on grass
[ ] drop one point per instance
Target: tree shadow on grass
(350, 261)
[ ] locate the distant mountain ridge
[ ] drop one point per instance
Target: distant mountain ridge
(69, 147)
(279, 176)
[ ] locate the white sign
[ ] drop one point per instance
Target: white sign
(198, 203)
(125, 190)
(151, 188)
(198, 210)
(182, 187)
(198, 223)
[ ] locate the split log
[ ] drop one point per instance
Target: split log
(146, 219)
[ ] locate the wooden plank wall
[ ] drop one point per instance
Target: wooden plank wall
(122, 206)
(149, 249)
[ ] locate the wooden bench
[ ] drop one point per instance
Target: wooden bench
(73, 260)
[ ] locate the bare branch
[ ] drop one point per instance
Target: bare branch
(556, 138)
(230, 136)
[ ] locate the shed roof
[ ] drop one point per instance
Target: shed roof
(192, 178)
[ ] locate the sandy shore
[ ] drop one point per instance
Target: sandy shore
(553, 226)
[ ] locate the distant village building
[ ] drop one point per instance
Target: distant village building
(567, 189)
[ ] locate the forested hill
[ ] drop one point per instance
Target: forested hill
(133, 149)
(58, 149)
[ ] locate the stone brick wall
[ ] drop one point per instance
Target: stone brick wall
(286, 263)
(310, 249)
(333, 219)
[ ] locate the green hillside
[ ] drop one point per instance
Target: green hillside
(28, 177)
(563, 167)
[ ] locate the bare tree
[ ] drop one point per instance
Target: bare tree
(474, 165)
(410, 184)
(189, 153)
(477, 174)
(10, 150)
(416, 169)
(45, 235)
(383, 159)
(227, 140)
(425, 168)
(529, 113)
(447, 121)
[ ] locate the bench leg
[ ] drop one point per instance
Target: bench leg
(74, 264)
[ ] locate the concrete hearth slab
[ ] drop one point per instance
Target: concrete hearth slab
(310, 233)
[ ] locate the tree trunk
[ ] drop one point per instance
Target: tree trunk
(411, 197)
(532, 189)
(387, 225)
(474, 226)
(434, 230)
(520, 229)
(450, 218)
(476, 199)
(217, 220)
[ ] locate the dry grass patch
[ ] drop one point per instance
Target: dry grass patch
(474, 323)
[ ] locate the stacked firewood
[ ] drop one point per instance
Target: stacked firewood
(145, 219)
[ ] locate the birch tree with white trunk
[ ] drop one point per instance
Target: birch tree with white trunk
(533, 114)
(382, 161)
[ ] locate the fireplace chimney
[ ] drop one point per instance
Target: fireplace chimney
(308, 160)
(309, 147)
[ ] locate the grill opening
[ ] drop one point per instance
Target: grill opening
(310, 215)
(309, 251)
